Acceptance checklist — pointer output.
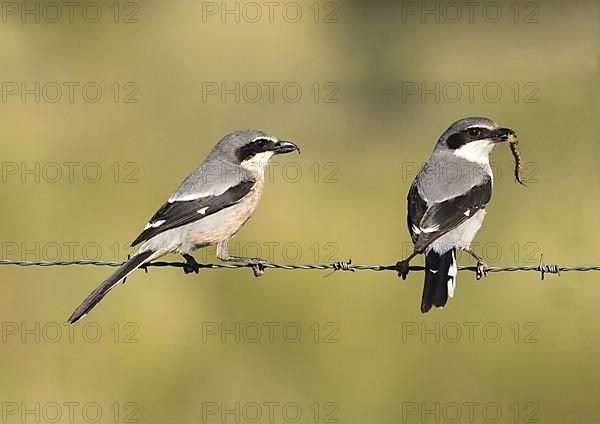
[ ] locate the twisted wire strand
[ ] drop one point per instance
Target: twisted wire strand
(542, 268)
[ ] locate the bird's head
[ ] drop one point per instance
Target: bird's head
(473, 138)
(252, 149)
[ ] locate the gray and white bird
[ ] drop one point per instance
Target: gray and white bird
(446, 203)
(208, 208)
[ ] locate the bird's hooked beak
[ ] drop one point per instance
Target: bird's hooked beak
(285, 147)
(505, 134)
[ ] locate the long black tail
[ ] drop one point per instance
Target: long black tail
(96, 296)
(440, 279)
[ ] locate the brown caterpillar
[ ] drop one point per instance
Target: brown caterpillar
(512, 140)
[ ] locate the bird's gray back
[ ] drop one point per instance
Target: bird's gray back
(445, 176)
(211, 178)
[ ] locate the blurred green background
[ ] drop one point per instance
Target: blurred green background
(169, 347)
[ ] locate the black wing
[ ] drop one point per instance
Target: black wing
(428, 224)
(416, 209)
(178, 213)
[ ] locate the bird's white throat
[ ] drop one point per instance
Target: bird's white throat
(476, 151)
(258, 162)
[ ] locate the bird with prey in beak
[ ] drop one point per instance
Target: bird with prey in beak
(446, 203)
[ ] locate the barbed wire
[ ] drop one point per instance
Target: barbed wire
(542, 268)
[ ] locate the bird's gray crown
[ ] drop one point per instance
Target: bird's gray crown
(235, 146)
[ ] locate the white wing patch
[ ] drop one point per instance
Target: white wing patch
(193, 196)
(419, 230)
(452, 271)
(468, 212)
(430, 229)
(154, 224)
(203, 210)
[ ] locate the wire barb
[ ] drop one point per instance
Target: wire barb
(543, 268)
(340, 266)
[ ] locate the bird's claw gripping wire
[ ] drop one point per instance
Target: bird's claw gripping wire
(481, 270)
(403, 266)
(258, 268)
(190, 265)
(257, 264)
(403, 269)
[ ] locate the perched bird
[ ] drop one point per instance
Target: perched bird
(208, 208)
(446, 203)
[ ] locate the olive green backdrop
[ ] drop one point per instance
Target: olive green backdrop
(103, 115)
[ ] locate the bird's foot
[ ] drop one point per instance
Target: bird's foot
(481, 269)
(402, 269)
(190, 264)
(257, 264)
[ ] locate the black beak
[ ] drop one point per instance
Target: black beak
(285, 147)
(503, 134)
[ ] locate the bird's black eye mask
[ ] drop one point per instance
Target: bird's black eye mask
(259, 145)
(463, 137)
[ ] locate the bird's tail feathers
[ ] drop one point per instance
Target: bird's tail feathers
(96, 296)
(440, 279)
